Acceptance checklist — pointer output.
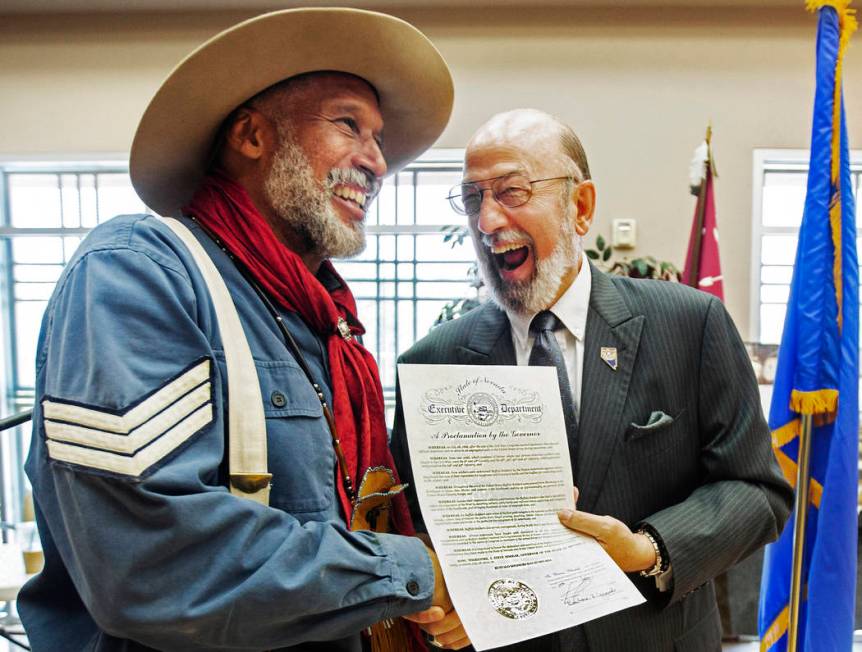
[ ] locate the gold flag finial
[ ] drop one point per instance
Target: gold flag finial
(710, 160)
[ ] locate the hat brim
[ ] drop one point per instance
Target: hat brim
(175, 134)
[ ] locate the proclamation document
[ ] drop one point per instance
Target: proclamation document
(491, 469)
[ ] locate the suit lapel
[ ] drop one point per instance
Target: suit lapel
(603, 389)
(490, 341)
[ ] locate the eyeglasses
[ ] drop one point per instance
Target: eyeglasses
(511, 191)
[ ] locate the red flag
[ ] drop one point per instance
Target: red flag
(702, 264)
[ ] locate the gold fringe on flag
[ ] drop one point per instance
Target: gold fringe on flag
(835, 226)
(846, 19)
(823, 400)
(847, 24)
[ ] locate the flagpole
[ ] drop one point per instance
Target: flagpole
(801, 516)
(694, 266)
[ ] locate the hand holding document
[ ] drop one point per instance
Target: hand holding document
(491, 468)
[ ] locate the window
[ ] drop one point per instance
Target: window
(780, 178)
(46, 210)
(49, 212)
(401, 281)
(408, 272)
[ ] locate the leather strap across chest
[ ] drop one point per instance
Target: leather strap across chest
(247, 460)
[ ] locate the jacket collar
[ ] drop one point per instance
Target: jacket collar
(490, 340)
(611, 327)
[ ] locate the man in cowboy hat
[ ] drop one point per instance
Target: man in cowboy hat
(268, 143)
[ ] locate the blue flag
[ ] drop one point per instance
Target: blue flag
(818, 374)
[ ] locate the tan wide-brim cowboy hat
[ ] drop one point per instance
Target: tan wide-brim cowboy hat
(176, 133)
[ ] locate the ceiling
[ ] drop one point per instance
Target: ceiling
(125, 6)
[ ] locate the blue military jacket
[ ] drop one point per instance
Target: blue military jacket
(144, 545)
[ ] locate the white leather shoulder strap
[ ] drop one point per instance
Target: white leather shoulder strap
(246, 423)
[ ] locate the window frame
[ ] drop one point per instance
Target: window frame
(15, 397)
(767, 160)
(84, 164)
(13, 442)
(433, 160)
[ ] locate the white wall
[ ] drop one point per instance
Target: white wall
(639, 86)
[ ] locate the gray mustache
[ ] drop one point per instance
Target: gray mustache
(362, 178)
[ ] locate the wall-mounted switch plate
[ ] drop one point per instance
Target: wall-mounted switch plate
(624, 234)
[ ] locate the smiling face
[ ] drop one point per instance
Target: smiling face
(529, 254)
(328, 164)
(306, 218)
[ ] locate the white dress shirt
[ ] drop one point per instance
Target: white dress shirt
(571, 309)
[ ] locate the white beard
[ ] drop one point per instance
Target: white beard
(303, 204)
(538, 292)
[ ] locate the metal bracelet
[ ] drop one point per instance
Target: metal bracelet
(657, 569)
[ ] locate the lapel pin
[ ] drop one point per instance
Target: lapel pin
(609, 355)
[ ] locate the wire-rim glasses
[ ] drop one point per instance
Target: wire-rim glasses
(511, 191)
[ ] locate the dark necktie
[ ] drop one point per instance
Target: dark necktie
(546, 353)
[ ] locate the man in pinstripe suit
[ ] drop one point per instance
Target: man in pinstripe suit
(669, 447)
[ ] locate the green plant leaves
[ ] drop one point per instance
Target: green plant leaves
(455, 235)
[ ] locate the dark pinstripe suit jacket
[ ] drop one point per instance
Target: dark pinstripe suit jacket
(707, 481)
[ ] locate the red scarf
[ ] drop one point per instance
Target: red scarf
(225, 209)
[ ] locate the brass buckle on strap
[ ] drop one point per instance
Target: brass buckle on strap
(250, 483)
